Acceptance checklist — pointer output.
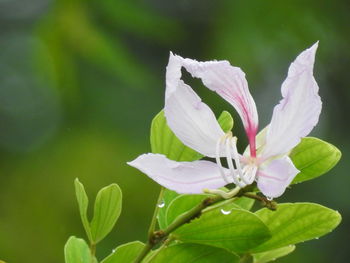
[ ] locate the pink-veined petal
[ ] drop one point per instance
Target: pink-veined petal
(230, 83)
(181, 177)
(298, 112)
(192, 121)
(276, 176)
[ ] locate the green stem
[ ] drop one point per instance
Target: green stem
(93, 251)
(156, 252)
(156, 237)
(191, 214)
(152, 226)
(272, 205)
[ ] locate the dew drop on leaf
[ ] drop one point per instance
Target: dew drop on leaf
(161, 204)
(225, 212)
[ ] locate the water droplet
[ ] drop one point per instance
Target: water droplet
(161, 204)
(225, 212)
(269, 198)
(316, 237)
(113, 250)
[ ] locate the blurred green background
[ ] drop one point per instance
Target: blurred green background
(80, 81)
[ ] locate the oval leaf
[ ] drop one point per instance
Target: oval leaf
(237, 231)
(107, 209)
(226, 121)
(77, 251)
(181, 204)
(272, 255)
(194, 253)
(83, 203)
(313, 157)
(298, 222)
(125, 253)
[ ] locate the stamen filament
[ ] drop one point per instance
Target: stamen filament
(218, 161)
(237, 161)
(230, 163)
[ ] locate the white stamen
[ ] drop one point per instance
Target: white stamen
(246, 174)
(253, 174)
(238, 172)
(241, 177)
(218, 161)
(230, 163)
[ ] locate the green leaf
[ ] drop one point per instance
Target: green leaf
(168, 196)
(125, 253)
(298, 222)
(226, 121)
(313, 157)
(244, 202)
(194, 253)
(77, 251)
(271, 255)
(164, 141)
(181, 204)
(83, 203)
(107, 209)
(238, 231)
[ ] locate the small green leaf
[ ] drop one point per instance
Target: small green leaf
(294, 223)
(313, 157)
(107, 209)
(226, 121)
(271, 255)
(83, 203)
(77, 251)
(194, 253)
(238, 231)
(181, 204)
(125, 253)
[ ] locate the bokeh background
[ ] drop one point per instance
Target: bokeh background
(80, 81)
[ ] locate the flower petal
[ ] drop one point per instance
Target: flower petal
(298, 112)
(192, 121)
(182, 177)
(276, 176)
(230, 83)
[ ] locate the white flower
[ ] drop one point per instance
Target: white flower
(195, 125)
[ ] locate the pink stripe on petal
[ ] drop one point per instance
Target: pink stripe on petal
(230, 83)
